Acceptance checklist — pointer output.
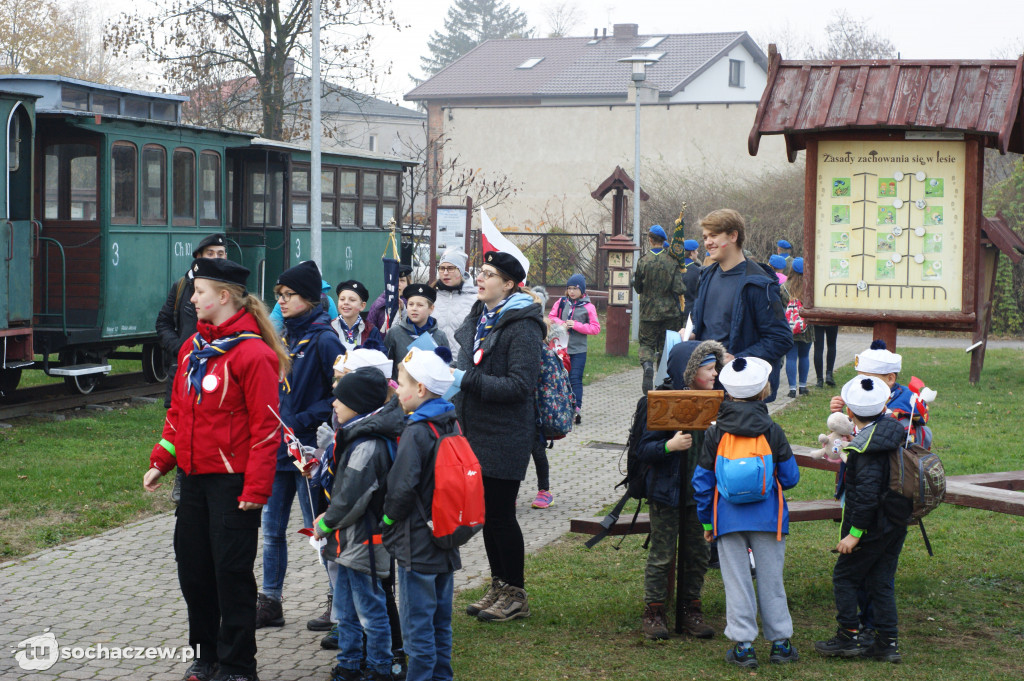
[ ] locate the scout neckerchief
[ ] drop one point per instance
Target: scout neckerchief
(486, 323)
(350, 333)
(573, 304)
(418, 331)
(657, 251)
(308, 327)
(202, 351)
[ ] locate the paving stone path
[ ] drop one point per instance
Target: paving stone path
(120, 588)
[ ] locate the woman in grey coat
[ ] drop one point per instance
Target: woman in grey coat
(499, 365)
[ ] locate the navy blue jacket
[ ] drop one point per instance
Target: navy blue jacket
(306, 397)
(759, 326)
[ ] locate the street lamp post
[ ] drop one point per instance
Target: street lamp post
(639, 63)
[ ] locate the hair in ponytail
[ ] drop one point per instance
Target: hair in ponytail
(254, 306)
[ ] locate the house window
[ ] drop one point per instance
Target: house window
(530, 63)
(154, 185)
(652, 42)
(735, 73)
(373, 143)
(122, 182)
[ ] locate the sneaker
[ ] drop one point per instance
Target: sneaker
(884, 649)
(330, 641)
(511, 605)
(578, 419)
(792, 394)
(488, 599)
(339, 673)
(742, 656)
(783, 652)
(655, 622)
(693, 621)
(543, 499)
(805, 391)
(236, 677)
(845, 643)
(200, 671)
(323, 622)
(268, 612)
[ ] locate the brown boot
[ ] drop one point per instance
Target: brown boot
(693, 621)
(655, 623)
(488, 599)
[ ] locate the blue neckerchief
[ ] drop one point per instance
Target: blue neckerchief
(202, 351)
(487, 321)
(350, 332)
(657, 251)
(430, 409)
(418, 331)
(688, 261)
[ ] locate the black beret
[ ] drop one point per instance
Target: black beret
(363, 390)
(304, 279)
(353, 285)
(404, 270)
(421, 290)
(507, 264)
(219, 269)
(212, 240)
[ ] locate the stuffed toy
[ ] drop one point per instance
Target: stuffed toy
(840, 429)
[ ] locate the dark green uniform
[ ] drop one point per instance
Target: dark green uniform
(659, 284)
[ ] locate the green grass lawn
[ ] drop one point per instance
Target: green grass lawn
(35, 376)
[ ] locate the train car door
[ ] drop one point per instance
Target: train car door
(18, 227)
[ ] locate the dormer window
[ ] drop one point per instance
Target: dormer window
(530, 63)
(652, 42)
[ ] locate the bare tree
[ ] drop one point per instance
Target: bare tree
(847, 37)
(562, 18)
(791, 42)
(203, 45)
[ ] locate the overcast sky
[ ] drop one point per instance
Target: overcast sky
(935, 29)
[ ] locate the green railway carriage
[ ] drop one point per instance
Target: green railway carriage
(114, 195)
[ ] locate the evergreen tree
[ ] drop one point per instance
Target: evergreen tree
(469, 23)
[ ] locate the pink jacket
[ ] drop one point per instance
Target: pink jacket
(585, 321)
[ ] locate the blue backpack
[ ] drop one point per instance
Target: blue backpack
(556, 405)
(744, 469)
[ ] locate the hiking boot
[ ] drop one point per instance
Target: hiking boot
(845, 643)
(648, 384)
(268, 612)
(323, 622)
(543, 500)
(511, 605)
(884, 649)
(829, 381)
(339, 673)
(792, 394)
(488, 599)
(200, 671)
(820, 383)
(805, 391)
(655, 622)
(693, 621)
(867, 636)
(741, 656)
(330, 641)
(783, 652)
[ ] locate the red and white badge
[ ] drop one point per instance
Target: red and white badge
(478, 356)
(210, 383)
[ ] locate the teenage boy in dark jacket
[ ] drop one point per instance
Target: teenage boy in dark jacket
(871, 543)
(360, 460)
(425, 571)
(672, 457)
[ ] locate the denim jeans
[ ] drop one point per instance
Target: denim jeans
(577, 363)
(798, 357)
(287, 485)
(425, 605)
(359, 606)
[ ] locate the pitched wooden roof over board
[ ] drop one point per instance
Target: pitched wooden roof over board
(972, 97)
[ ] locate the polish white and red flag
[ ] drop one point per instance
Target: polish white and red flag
(494, 240)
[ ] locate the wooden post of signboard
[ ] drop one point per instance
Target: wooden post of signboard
(434, 207)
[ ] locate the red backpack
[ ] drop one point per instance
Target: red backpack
(457, 510)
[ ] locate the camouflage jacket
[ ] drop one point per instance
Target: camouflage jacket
(659, 283)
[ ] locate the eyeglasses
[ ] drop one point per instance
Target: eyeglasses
(283, 297)
(487, 274)
(446, 270)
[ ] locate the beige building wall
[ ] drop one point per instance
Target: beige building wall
(557, 155)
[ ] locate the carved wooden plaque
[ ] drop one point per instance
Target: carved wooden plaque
(682, 409)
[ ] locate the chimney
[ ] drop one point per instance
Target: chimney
(604, 32)
(595, 33)
(625, 30)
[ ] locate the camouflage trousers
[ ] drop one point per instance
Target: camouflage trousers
(652, 338)
(695, 554)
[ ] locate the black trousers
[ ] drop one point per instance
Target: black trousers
(503, 538)
(215, 546)
(872, 567)
(824, 336)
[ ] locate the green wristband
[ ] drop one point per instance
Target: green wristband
(708, 527)
(856, 532)
(169, 446)
(323, 527)
(667, 450)
(388, 521)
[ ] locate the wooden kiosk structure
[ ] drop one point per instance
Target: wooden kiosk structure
(893, 228)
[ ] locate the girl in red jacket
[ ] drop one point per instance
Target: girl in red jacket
(220, 432)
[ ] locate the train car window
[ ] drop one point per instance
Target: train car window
(154, 184)
(348, 183)
(183, 186)
(105, 104)
(369, 214)
(69, 182)
(327, 196)
(300, 196)
(231, 196)
(71, 98)
(209, 188)
(369, 183)
(14, 145)
(137, 108)
(265, 196)
(123, 182)
(347, 213)
(389, 188)
(165, 111)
